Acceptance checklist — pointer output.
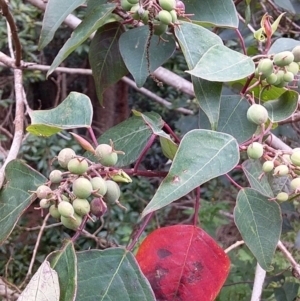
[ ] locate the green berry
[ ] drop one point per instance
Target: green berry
(71, 222)
(133, 1)
(265, 67)
(257, 114)
(173, 13)
(64, 156)
(55, 176)
(65, 209)
(106, 156)
(268, 166)
(159, 28)
(81, 206)
(292, 67)
(296, 53)
(126, 5)
(44, 203)
(82, 188)
(54, 211)
(295, 184)
(282, 197)
(295, 158)
(255, 150)
(165, 17)
(281, 170)
(167, 4)
(99, 184)
(288, 76)
(284, 58)
(78, 166)
(271, 79)
(43, 192)
(113, 192)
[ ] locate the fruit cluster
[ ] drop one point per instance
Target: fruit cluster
(80, 190)
(280, 70)
(162, 13)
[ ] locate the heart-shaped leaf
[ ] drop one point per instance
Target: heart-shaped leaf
(184, 263)
(259, 222)
(283, 44)
(217, 153)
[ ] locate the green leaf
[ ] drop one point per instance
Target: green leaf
(194, 41)
(213, 12)
(111, 275)
(222, 64)
(55, 13)
(75, 111)
(92, 21)
(105, 58)
(233, 119)
(15, 197)
(202, 155)
(253, 170)
(283, 107)
(133, 47)
(169, 148)
(42, 286)
(283, 44)
(259, 222)
(64, 262)
(292, 6)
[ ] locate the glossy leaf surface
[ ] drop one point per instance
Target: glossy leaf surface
(184, 263)
(74, 112)
(259, 222)
(111, 275)
(15, 196)
(217, 154)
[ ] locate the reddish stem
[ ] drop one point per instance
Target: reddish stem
(170, 131)
(243, 91)
(233, 182)
(241, 40)
(197, 207)
(93, 137)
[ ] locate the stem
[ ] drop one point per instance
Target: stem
(171, 132)
(197, 207)
(233, 182)
(241, 40)
(93, 137)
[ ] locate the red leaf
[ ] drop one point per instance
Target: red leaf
(183, 263)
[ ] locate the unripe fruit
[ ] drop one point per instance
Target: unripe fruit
(126, 5)
(64, 156)
(288, 77)
(44, 203)
(282, 197)
(43, 192)
(133, 1)
(65, 198)
(279, 74)
(81, 206)
(78, 166)
(173, 13)
(281, 170)
(286, 158)
(265, 67)
(106, 156)
(284, 58)
(99, 184)
(65, 209)
(268, 166)
(271, 79)
(55, 176)
(160, 28)
(113, 192)
(98, 207)
(255, 150)
(82, 188)
(295, 158)
(71, 223)
(257, 114)
(54, 211)
(295, 184)
(167, 4)
(165, 17)
(293, 67)
(296, 53)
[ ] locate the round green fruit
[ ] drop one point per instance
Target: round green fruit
(295, 158)
(257, 114)
(53, 210)
(81, 206)
(268, 166)
(133, 2)
(98, 207)
(126, 5)
(160, 28)
(271, 79)
(64, 156)
(265, 67)
(284, 58)
(113, 192)
(82, 188)
(295, 184)
(65, 209)
(71, 223)
(296, 53)
(255, 150)
(167, 4)
(293, 67)
(281, 170)
(106, 156)
(55, 176)
(288, 76)
(165, 17)
(78, 166)
(173, 13)
(282, 197)
(44, 203)
(43, 192)
(99, 184)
